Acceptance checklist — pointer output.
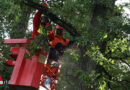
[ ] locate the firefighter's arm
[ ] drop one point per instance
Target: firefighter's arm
(36, 19)
(66, 42)
(54, 42)
(36, 23)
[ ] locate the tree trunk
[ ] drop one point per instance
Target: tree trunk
(85, 62)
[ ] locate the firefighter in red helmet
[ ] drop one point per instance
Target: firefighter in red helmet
(58, 45)
(59, 38)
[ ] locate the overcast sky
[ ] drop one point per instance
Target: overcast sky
(126, 9)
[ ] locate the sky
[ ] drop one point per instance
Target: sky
(126, 10)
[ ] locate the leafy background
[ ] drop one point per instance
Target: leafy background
(100, 58)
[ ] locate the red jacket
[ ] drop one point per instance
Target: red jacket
(59, 39)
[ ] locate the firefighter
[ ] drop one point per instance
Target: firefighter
(58, 45)
(40, 21)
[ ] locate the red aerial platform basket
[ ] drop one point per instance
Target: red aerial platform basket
(29, 73)
(26, 73)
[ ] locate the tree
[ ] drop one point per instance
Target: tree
(102, 57)
(102, 45)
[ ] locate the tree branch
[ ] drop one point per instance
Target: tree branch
(121, 59)
(102, 69)
(69, 28)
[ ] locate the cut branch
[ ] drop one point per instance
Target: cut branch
(69, 28)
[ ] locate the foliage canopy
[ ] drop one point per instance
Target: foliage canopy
(104, 33)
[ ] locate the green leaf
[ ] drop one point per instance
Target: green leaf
(101, 63)
(105, 36)
(112, 61)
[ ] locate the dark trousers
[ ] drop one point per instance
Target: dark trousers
(56, 52)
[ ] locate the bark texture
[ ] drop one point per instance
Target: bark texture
(85, 62)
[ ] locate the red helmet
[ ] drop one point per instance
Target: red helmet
(44, 4)
(59, 27)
